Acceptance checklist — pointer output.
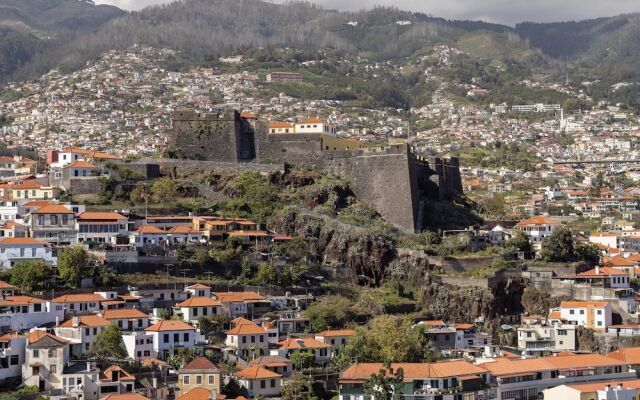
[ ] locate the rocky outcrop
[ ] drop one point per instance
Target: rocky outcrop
(364, 254)
(451, 303)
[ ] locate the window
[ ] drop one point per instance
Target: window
(185, 379)
(599, 312)
(40, 219)
(36, 353)
(166, 338)
(185, 337)
(599, 323)
(263, 384)
(15, 360)
(273, 383)
(198, 379)
(211, 379)
(52, 353)
(53, 219)
(581, 312)
(53, 368)
(176, 337)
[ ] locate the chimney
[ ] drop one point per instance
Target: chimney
(57, 320)
(607, 387)
(75, 321)
(597, 269)
(619, 387)
(88, 366)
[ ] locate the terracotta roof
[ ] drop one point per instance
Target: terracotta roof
(270, 360)
(248, 115)
(52, 209)
(198, 286)
(78, 298)
(256, 372)
(197, 393)
(183, 230)
(242, 321)
(199, 302)
(107, 374)
(278, 125)
(169, 325)
(36, 203)
(124, 396)
(124, 313)
(301, 343)
(601, 385)
(555, 315)
(506, 366)
(246, 329)
(312, 121)
(199, 364)
(583, 304)
(81, 164)
(630, 355)
(6, 285)
(537, 221)
(620, 261)
(360, 372)
(10, 336)
(20, 300)
(86, 321)
(36, 336)
(340, 332)
(227, 297)
(438, 323)
(602, 271)
(100, 216)
(248, 233)
(22, 241)
(150, 229)
(152, 362)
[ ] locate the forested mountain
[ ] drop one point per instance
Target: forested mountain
(30, 27)
(37, 35)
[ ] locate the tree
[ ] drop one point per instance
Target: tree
(164, 190)
(109, 344)
(518, 242)
(587, 252)
(30, 275)
(267, 274)
(181, 358)
(330, 312)
(559, 246)
(233, 389)
(386, 384)
(302, 360)
(73, 263)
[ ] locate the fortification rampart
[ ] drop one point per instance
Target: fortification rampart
(394, 181)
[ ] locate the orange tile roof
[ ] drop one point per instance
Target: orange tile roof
(199, 363)
(36, 336)
(243, 233)
(107, 374)
(537, 221)
(602, 271)
(301, 343)
(81, 164)
(434, 323)
(199, 302)
(227, 297)
(248, 115)
(197, 393)
(555, 315)
(242, 321)
(170, 325)
(78, 298)
(183, 230)
(152, 361)
(312, 121)
(52, 209)
(124, 313)
(6, 285)
(506, 366)
(630, 355)
(10, 336)
(583, 304)
(246, 329)
(601, 385)
(124, 396)
(337, 332)
(278, 124)
(150, 229)
(360, 372)
(198, 286)
(36, 203)
(101, 216)
(86, 321)
(23, 241)
(27, 185)
(20, 300)
(256, 372)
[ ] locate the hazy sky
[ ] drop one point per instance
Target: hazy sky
(501, 11)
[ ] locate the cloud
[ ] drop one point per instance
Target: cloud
(499, 11)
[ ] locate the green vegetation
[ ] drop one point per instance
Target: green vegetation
(561, 247)
(73, 263)
(330, 312)
(109, 344)
(31, 276)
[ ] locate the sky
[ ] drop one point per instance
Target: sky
(507, 12)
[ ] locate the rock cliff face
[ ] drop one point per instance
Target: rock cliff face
(361, 254)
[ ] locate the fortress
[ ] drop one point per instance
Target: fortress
(394, 181)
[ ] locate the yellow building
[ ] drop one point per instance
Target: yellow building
(33, 190)
(199, 373)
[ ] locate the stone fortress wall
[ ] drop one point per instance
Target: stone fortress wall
(394, 181)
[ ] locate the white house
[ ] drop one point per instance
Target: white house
(46, 357)
(18, 313)
(127, 319)
(196, 307)
(170, 336)
(537, 229)
(81, 332)
(19, 249)
(139, 344)
(12, 354)
(315, 125)
(100, 227)
(594, 315)
(259, 381)
(74, 304)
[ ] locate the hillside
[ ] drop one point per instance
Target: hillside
(29, 27)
